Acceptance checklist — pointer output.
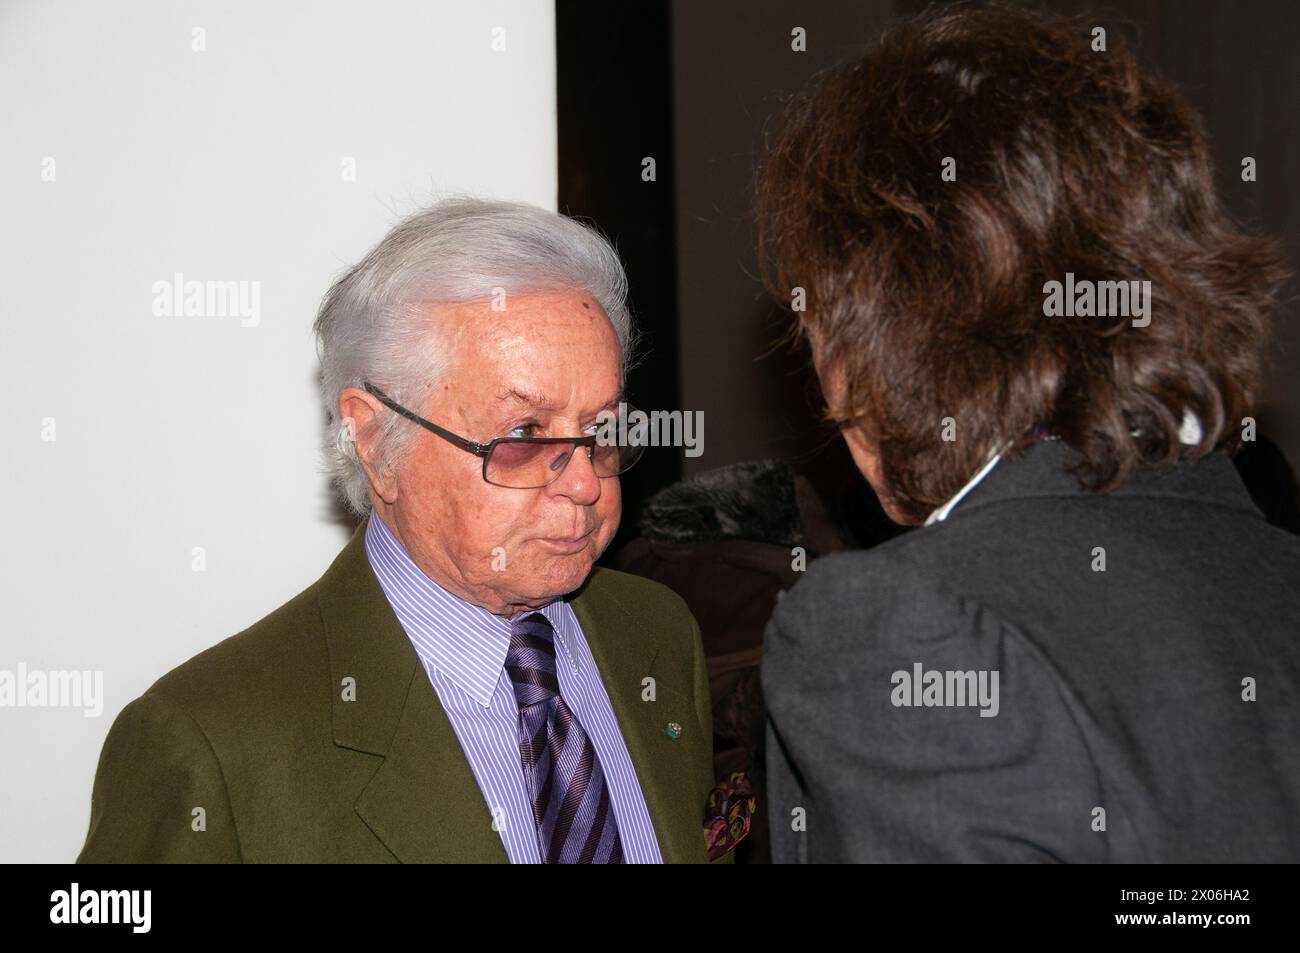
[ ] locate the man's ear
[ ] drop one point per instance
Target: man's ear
(359, 413)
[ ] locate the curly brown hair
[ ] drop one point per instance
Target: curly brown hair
(927, 295)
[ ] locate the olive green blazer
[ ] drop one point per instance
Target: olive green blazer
(315, 736)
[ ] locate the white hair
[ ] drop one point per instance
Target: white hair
(375, 323)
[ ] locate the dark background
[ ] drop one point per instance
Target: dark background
(695, 85)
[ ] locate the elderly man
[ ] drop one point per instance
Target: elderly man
(461, 684)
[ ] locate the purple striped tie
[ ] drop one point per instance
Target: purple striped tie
(575, 820)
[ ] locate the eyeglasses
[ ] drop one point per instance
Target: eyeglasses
(526, 463)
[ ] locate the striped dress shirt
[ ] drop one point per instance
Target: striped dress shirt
(463, 648)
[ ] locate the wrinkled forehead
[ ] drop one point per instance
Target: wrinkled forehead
(549, 351)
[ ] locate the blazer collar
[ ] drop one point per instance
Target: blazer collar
(1041, 470)
(423, 801)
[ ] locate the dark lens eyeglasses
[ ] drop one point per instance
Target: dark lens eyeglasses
(526, 463)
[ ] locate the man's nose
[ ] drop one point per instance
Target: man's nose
(578, 480)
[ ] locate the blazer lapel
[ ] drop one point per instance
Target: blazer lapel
(423, 802)
(661, 761)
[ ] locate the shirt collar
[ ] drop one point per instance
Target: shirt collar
(465, 642)
(941, 513)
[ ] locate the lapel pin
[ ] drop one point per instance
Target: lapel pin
(672, 729)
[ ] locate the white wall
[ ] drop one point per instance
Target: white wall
(172, 433)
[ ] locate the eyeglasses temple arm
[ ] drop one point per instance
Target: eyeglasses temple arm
(470, 445)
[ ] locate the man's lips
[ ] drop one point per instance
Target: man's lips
(569, 544)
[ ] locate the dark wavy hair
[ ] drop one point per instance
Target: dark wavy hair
(927, 295)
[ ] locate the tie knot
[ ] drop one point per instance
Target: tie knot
(530, 661)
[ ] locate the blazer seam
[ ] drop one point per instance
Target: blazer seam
(1069, 703)
(1067, 699)
(225, 786)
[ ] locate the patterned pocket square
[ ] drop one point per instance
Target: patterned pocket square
(728, 814)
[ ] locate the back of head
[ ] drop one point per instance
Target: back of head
(925, 197)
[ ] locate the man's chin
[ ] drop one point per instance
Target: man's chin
(563, 574)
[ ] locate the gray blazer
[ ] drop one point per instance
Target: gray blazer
(1124, 729)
